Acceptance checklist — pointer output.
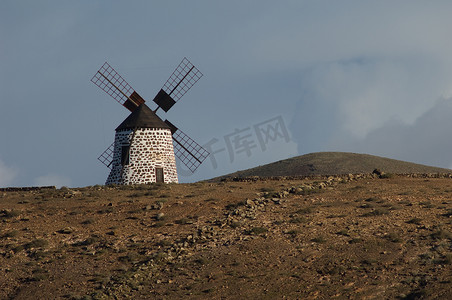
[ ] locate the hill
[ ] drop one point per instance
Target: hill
(334, 163)
(345, 237)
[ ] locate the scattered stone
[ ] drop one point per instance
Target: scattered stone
(66, 230)
(377, 172)
(158, 205)
(276, 200)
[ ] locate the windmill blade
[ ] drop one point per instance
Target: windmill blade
(107, 156)
(182, 79)
(190, 153)
(114, 85)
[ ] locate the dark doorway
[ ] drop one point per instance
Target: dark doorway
(125, 155)
(159, 175)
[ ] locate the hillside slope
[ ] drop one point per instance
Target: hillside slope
(335, 163)
(337, 238)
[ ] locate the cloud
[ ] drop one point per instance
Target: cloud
(7, 174)
(428, 140)
(357, 96)
(52, 179)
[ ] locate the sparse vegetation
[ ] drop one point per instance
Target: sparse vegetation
(93, 239)
(267, 190)
(257, 230)
(235, 205)
(106, 210)
(202, 261)
(373, 199)
(305, 210)
(416, 221)
(211, 199)
(355, 240)
(235, 224)
(376, 212)
(159, 224)
(298, 220)
(448, 213)
(87, 222)
(426, 204)
(441, 234)
(357, 235)
(6, 214)
(10, 234)
(319, 239)
(293, 232)
(392, 237)
(183, 221)
(367, 205)
(132, 257)
(37, 243)
(386, 175)
(165, 243)
(343, 232)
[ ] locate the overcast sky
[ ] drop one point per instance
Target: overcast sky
(281, 78)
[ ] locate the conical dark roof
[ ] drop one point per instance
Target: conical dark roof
(142, 117)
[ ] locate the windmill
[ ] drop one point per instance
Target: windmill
(145, 147)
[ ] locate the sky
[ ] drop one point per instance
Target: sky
(281, 79)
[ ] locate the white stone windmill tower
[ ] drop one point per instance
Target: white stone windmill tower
(145, 147)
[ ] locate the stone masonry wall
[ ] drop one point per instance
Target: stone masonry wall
(151, 148)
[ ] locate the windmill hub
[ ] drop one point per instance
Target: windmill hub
(146, 147)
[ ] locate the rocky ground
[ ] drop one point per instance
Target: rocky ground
(358, 237)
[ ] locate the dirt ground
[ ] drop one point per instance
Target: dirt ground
(352, 237)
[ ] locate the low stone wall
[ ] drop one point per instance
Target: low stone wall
(341, 176)
(27, 188)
